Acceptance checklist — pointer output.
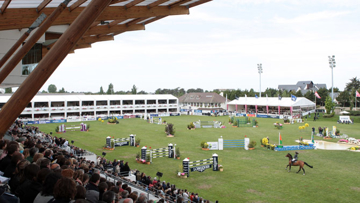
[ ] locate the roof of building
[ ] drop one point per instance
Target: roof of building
(303, 86)
(202, 98)
(273, 101)
(119, 17)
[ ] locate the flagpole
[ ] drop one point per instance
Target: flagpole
(355, 99)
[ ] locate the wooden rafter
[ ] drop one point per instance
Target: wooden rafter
(103, 30)
(42, 5)
(90, 40)
(117, 1)
(154, 19)
(4, 6)
(135, 21)
(115, 22)
(198, 3)
(156, 3)
(76, 4)
(97, 22)
(81, 46)
(22, 18)
(133, 3)
(178, 3)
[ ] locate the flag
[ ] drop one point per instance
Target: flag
(279, 97)
(256, 96)
(293, 98)
(317, 95)
(280, 140)
(357, 94)
(236, 97)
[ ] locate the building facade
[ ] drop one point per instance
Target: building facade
(200, 103)
(80, 107)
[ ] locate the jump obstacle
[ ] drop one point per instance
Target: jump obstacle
(168, 152)
(156, 120)
(200, 165)
(63, 128)
(207, 124)
(118, 142)
(221, 144)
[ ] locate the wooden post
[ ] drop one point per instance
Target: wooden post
(30, 43)
(49, 63)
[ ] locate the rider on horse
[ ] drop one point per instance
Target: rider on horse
(295, 158)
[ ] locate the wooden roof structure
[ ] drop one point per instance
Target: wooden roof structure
(119, 17)
(88, 21)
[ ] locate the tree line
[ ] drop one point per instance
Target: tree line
(345, 98)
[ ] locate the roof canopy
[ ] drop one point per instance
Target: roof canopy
(121, 16)
(273, 101)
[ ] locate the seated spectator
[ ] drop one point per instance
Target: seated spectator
(80, 192)
(108, 197)
(15, 159)
(19, 176)
(32, 151)
(47, 192)
(64, 191)
(6, 161)
(37, 156)
(92, 190)
(29, 189)
(102, 189)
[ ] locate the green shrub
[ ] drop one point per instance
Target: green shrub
(329, 115)
(202, 144)
(252, 144)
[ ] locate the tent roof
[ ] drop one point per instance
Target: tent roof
(272, 101)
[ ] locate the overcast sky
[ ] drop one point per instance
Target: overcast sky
(219, 46)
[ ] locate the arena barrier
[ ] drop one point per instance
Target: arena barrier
(63, 128)
(118, 142)
(159, 152)
(221, 144)
(200, 165)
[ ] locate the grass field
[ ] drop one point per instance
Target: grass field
(249, 176)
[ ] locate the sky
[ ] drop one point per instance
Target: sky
(219, 45)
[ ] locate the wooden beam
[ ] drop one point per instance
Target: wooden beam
(133, 3)
(198, 3)
(23, 18)
(51, 35)
(135, 21)
(80, 46)
(76, 4)
(4, 6)
(42, 5)
(115, 22)
(117, 1)
(156, 3)
(90, 40)
(37, 78)
(154, 19)
(104, 29)
(178, 3)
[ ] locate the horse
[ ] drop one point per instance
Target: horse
(296, 163)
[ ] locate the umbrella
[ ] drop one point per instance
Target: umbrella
(344, 112)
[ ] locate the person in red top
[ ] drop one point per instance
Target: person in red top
(154, 181)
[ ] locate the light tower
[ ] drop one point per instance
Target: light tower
(332, 65)
(260, 70)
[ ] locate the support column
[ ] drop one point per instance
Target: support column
(49, 63)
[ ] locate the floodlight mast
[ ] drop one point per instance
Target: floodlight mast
(260, 70)
(332, 65)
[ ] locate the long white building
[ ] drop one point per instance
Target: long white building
(80, 107)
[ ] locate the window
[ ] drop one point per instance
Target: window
(31, 59)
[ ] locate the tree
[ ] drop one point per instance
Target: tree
(310, 95)
(134, 90)
(271, 92)
(335, 89)
(323, 93)
(62, 90)
(8, 90)
(353, 84)
(52, 88)
(101, 90)
(110, 89)
(344, 98)
(298, 93)
(329, 104)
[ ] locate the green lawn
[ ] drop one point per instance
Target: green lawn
(249, 176)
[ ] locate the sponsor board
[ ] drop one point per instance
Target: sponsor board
(201, 168)
(119, 144)
(213, 145)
